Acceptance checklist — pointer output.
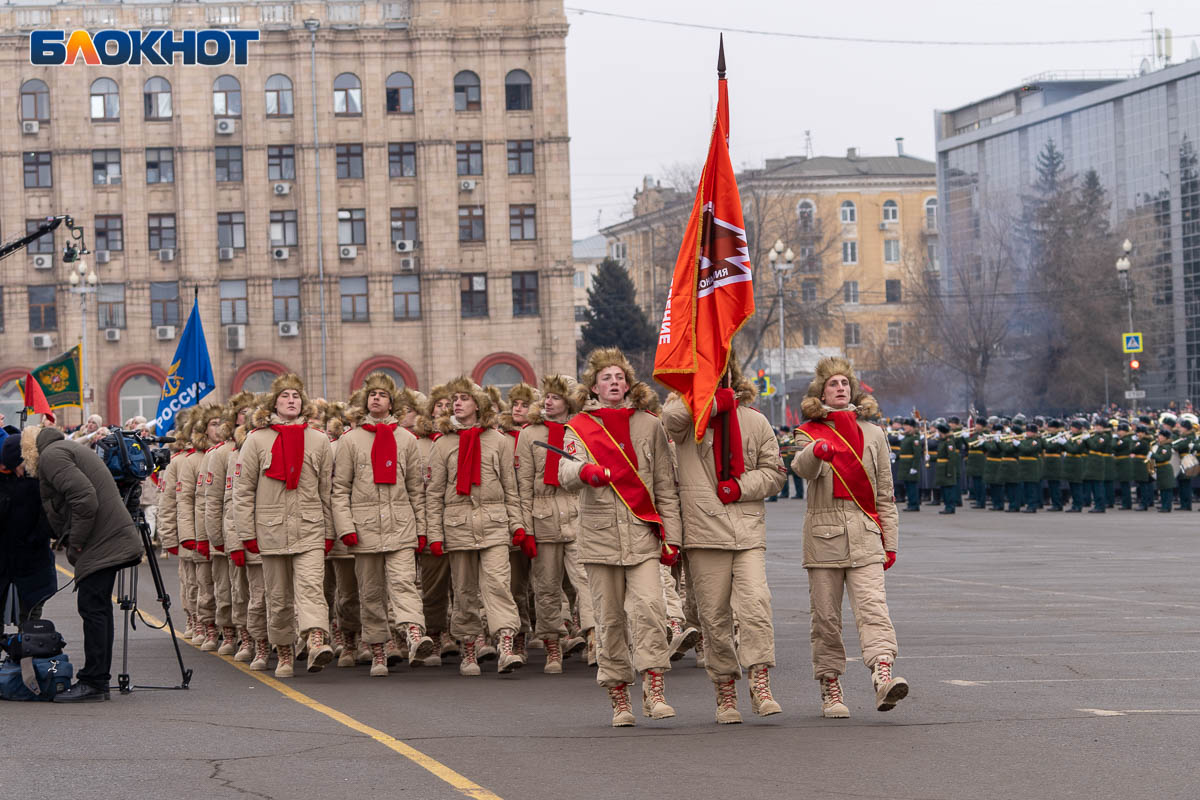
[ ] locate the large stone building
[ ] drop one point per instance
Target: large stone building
(431, 193)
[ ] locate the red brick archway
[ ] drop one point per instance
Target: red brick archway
(251, 367)
(390, 362)
(523, 366)
(112, 397)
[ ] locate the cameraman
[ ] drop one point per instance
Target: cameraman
(26, 560)
(81, 499)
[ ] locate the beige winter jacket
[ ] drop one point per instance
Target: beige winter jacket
(707, 523)
(837, 534)
(284, 522)
(185, 501)
(550, 513)
(491, 513)
(215, 470)
(609, 533)
(233, 535)
(387, 517)
(166, 524)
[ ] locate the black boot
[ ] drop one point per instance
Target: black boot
(82, 693)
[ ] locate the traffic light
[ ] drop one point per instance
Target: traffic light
(1134, 364)
(761, 382)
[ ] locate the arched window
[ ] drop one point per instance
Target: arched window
(347, 95)
(891, 211)
(399, 93)
(393, 374)
(467, 95)
(849, 212)
(35, 101)
(106, 99)
(139, 397)
(805, 216)
(931, 215)
(259, 381)
(503, 376)
(227, 97)
(279, 96)
(11, 402)
(156, 97)
(518, 91)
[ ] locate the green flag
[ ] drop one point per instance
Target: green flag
(60, 380)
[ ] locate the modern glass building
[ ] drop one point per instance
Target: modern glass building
(1140, 135)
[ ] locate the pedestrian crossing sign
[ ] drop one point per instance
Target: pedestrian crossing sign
(1131, 342)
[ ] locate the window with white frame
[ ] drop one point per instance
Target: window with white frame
(891, 211)
(891, 251)
(852, 334)
(850, 292)
(849, 252)
(849, 212)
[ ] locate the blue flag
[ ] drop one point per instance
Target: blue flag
(190, 376)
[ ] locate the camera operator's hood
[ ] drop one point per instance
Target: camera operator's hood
(33, 441)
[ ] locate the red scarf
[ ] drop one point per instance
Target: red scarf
(616, 421)
(470, 460)
(737, 461)
(515, 433)
(851, 481)
(846, 423)
(383, 451)
(554, 438)
(287, 454)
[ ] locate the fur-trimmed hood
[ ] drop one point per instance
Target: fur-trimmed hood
(242, 401)
(239, 436)
(337, 419)
(487, 411)
(378, 380)
(811, 406)
(266, 408)
(200, 420)
(640, 395)
(264, 418)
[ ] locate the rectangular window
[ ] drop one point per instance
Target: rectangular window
(525, 294)
(229, 164)
(812, 334)
(106, 167)
(808, 291)
(42, 244)
(406, 297)
(281, 163)
(404, 224)
(895, 334)
(160, 165)
(849, 252)
(352, 226)
(286, 293)
(891, 251)
(470, 158)
(402, 160)
(38, 174)
(580, 281)
(931, 257)
(581, 313)
(233, 303)
(231, 229)
(473, 294)
(164, 303)
(354, 299)
(109, 233)
(520, 156)
(470, 223)
(161, 229)
(110, 305)
(349, 161)
(522, 223)
(852, 334)
(850, 292)
(283, 229)
(43, 314)
(892, 291)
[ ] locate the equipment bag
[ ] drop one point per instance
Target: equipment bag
(52, 675)
(36, 666)
(125, 457)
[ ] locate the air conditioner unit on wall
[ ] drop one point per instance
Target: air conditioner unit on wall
(43, 261)
(225, 127)
(164, 332)
(166, 254)
(102, 256)
(466, 186)
(43, 341)
(225, 253)
(408, 264)
(29, 127)
(405, 245)
(279, 253)
(235, 337)
(289, 329)
(112, 334)
(282, 188)
(348, 251)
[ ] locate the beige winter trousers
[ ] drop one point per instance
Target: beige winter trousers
(671, 596)
(547, 577)
(387, 582)
(868, 602)
(206, 601)
(482, 574)
(256, 601)
(187, 583)
(295, 593)
(578, 577)
(435, 592)
(341, 593)
(239, 595)
(629, 607)
(222, 590)
(518, 570)
(725, 582)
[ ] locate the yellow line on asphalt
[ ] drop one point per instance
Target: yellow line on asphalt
(460, 782)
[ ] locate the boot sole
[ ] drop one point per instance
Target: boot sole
(768, 711)
(624, 723)
(649, 714)
(515, 665)
(320, 659)
(686, 643)
(730, 721)
(424, 651)
(898, 692)
(470, 673)
(836, 714)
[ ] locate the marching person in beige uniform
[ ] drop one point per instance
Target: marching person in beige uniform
(851, 532)
(379, 514)
(281, 500)
(212, 474)
(473, 511)
(341, 584)
(629, 524)
(189, 483)
(520, 400)
(167, 519)
(218, 512)
(251, 588)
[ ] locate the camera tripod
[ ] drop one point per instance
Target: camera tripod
(127, 590)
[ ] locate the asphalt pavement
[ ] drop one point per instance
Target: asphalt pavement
(1049, 655)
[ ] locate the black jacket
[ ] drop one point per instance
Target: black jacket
(24, 529)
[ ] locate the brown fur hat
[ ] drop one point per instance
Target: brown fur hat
(239, 436)
(412, 399)
(200, 420)
(640, 395)
(336, 419)
(242, 401)
(381, 380)
(523, 391)
(439, 392)
(812, 407)
(743, 387)
(487, 411)
(181, 431)
(290, 380)
(562, 385)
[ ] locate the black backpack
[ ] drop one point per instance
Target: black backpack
(125, 457)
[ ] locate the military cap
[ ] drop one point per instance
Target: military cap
(1123, 426)
(1077, 423)
(942, 427)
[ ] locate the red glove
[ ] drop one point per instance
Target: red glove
(823, 451)
(437, 549)
(202, 548)
(529, 546)
(889, 558)
(173, 550)
(350, 540)
(518, 537)
(421, 542)
(328, 546)
(729, 491)
(188, 544)
(220, 548)
(251, 546)
(669, 555)
(238, 557)
(595, 475)
(725, 400)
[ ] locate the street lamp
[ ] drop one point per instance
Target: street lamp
(782, 268)
(83, 282)
(1123, 265)
(313, 25)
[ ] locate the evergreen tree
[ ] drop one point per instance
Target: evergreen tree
(1050, 166)
(613, 317)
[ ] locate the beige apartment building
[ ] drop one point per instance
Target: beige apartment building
(428, 199)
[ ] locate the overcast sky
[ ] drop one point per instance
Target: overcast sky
(641, 95)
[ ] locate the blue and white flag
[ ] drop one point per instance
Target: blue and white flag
(190, 376)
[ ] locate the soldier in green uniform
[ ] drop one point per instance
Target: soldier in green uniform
(1164, 471)
(908, 464)
(945, 468)
(1110, 466)
(1184, 443)
(958, 436)
(1029, 467)
(1074, 456)
(1093, 467)
(976, 459)
(1053, 446)
(991, 469)
(894, 436)
(1122, 448)
(1009, 473)
(1145, 481)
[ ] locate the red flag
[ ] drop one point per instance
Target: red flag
(712, 294)
(35, 399)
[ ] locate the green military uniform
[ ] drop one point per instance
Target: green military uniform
(1009, 474)
(1185, 444)
(976, 460)
(1122, 447)
(908, 466)
(1143, 478)
(1074, 458)
(1029, 470)
(1164, 472)
(1098, 448)
(945, 469)
(1052, 468)
(991, 471)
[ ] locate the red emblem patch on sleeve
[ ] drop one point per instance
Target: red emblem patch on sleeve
(179, 486)
(208, 480)
(237, 470)
(570, 448)
(516, 462)
(228, 481)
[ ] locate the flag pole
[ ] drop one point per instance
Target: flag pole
(195, 305)
(726, 380)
